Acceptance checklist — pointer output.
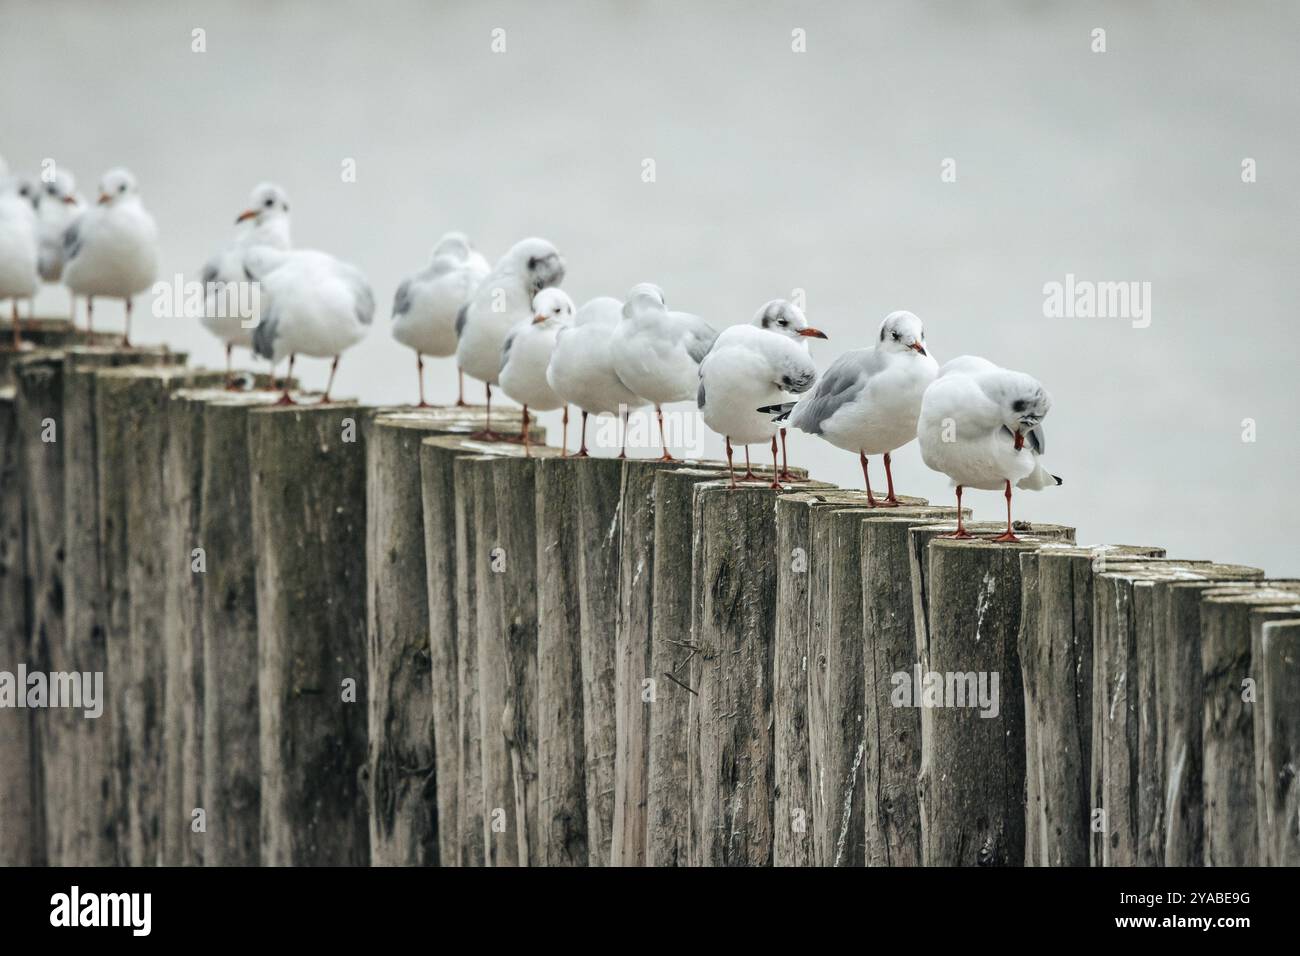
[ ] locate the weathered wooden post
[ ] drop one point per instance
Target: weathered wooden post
(671, 650)
(212, 728)
(968, 685)
(405, 788)
(1055, 648)
(733, 620)
(1227, 727)
(308, 503)
(892, 757)
(38, 413)
(450, 550)
(837, 697)
(22, 803)
(131, 436)
(1277, 668)
(502, 489)
(97, 606)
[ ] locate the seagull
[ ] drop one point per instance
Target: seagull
(527, 352)
(981, 425)
(111, 249)
(59, 205)
(869, 399)
(501, 301)
(311, 304)
(657, 353)
(19, 246)
(265, 223)
(427, 303)
(751, 366)
(582, 368)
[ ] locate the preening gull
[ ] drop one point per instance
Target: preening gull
(869, 399)
(527, 351)
(59, 205)
(981, 425)
(502, 300)
(19, 247)
(427, 303)
(312, 304)
(753, 366)
(112, 248)
(657, 353)
(265, 223)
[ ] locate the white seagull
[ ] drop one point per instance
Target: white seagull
(427, 303)
(311, 304)
(582, 368)
(527, 352)
(501, 301)
(19, 247)
(657, 353)
(59, 205)
(753, 366)
(981, 425)
(112, 248)
(869, 399)
(264, 223)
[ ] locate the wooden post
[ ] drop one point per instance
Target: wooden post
(307, 477)
(503, 492)
(1178, 836)
(38, 412)
(733, 620)
(22, 824)
(213, 687)
(1055, 648)
(671, 649)
(837, 696)
(97, 606)
(1227, 727)
(577, 574)
(1277, 668)
(132, 439)
(892, 757)
(450, 553)
(405, 789)
(972, 782)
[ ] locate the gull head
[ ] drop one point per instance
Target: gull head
(643, 297)
(23, 188)
(266, 202)
(902, 331)
(453, 245)
(538, 263)
(117, 185)
(786, 318)
(1023, 400)
(61, 189)
(552, 306)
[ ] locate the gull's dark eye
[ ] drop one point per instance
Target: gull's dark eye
(897, 337)
(122, 188)
(783, 322)
(532, 262)
(270, 203)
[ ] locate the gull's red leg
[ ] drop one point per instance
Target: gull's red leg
(285, 397)
(564, 439)
(126, 334)
(419, 371)
(528, 450)
(230, 372)
(1008, 535)
(730, 467)
(776, 475)
(329, 383)
(460, 390)
(891, 500)
(582, 449)
(749, 471)
(871, 501)
(961, 527)
(785, 461)
(622, 451)
(667, 456)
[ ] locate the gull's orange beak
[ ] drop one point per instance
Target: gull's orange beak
(813, 333)
(103, 198)
(70, 200)
(538, 319)
(918, 347)
(1020, 440)
(245, 215)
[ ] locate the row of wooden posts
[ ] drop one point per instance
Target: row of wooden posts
(347, 635)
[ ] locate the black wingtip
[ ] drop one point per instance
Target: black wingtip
(1059, 479)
